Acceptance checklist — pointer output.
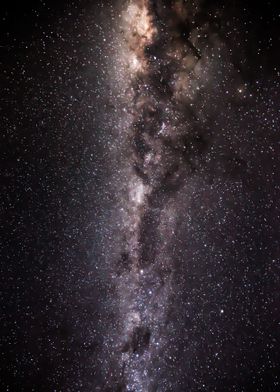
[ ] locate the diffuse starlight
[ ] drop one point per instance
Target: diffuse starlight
(162, 61)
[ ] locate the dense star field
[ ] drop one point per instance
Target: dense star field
(140, 196)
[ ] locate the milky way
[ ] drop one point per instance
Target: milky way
(170, 58)
(164, 53)
(162, 59)
(140, 196)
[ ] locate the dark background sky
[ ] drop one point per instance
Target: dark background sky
(52, 164)
(53, 153)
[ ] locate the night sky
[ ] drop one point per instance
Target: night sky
(139, 172)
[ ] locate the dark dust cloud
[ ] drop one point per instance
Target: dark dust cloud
(140, 196)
